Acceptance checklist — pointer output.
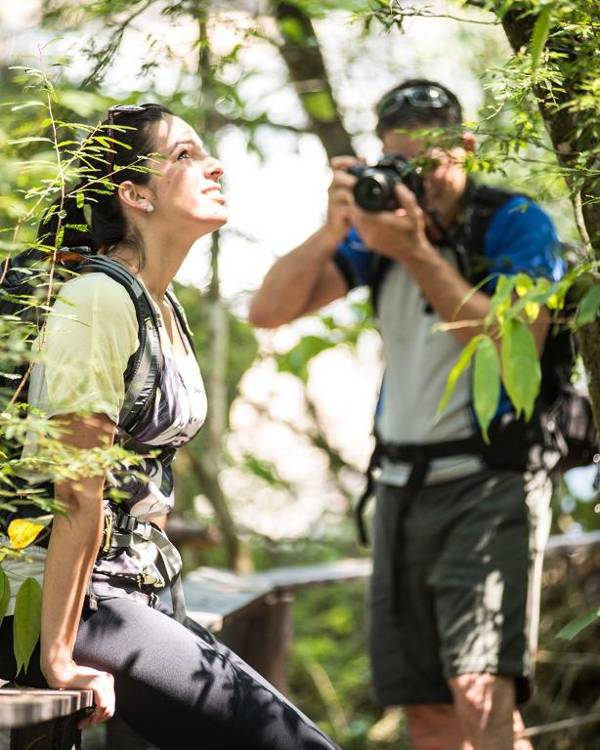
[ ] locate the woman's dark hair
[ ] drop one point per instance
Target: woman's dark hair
(104, 163)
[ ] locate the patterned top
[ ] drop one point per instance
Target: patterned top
(90, 334)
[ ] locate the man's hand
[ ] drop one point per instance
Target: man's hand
(341, 199)
(399, 235)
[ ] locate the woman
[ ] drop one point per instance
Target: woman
(102, 625)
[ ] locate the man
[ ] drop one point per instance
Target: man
(457, 544)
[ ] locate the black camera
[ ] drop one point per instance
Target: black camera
(374, 189)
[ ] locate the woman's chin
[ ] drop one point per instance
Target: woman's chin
(213, 219)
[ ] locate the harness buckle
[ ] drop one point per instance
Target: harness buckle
(108, 531)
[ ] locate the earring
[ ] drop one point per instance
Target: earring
(148, 208)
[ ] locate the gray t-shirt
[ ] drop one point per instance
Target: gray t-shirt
(418, 362)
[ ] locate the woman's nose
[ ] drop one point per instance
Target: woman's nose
(213, 170)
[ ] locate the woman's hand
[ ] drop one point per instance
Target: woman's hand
(72, 676)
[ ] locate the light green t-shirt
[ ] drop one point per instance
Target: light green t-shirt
(89, 337)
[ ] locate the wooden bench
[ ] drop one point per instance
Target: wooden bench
(41, 719)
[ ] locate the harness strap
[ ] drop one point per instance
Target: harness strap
(127, 531)
(420, 457)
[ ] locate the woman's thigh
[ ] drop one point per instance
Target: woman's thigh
(174, 683)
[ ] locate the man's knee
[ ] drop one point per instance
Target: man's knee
(434, 727)
(484, 705)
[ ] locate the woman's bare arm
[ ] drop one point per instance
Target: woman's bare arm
(74, 543)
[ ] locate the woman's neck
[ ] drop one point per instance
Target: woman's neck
(155, 265)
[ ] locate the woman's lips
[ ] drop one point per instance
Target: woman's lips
(214, 192)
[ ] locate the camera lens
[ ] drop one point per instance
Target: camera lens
(374, 191)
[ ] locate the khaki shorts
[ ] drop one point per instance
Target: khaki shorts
(456, 582)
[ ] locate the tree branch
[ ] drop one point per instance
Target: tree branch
(302, 55)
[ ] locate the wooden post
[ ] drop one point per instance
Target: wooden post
(263, 636)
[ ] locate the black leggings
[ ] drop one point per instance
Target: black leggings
(175, 682)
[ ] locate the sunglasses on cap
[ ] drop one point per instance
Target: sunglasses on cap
(420, 97)
(113, 113)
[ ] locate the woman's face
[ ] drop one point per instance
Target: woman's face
(187, 194)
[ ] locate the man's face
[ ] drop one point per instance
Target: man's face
(445, 181)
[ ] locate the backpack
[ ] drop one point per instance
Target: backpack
(21, 282)
(563, 411)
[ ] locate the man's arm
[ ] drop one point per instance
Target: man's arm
(307, 279)
(304, 280)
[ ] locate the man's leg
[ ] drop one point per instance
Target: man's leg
(480, 718)
(487, 599)
(485, 709)
(435, 727)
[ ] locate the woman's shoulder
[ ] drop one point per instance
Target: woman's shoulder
(95, 284)
(96, 294)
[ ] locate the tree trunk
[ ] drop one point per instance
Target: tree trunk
(569, 140)
(208, 480)
(302, 55)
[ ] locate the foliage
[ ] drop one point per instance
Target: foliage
(333, 332)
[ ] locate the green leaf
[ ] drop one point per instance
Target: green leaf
(523, 283)
(27, 621)
(266, 471)
(30, 139)
(588, 307)
(540, 34)
(486, 383)
(296, 359)
(576, 626)
(4, 594)
(521, 370)
(24, 105)
(293, 30)
(460, 366)
(504, 289)
(319, 106)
